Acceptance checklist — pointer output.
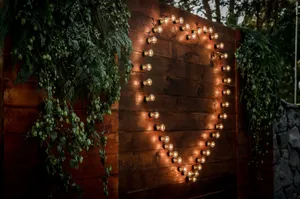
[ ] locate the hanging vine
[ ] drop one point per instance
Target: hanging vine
(70, 46)
(261, 68)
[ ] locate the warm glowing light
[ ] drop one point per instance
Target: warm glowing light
(226, 92)
(180, 20)
(226, 68)
(160, 127)
(205, 152)
(192, 36)
(197, 167)
(154, 115)
(178, 159)
(211, 144)
(157, 29)
(199, 31)
(192, 179)
(219, 126)
(185, 27)
(150, 98)
(215, 135)
(183, 170)
(152, 40)
(147, 82)
(148, 53)
(205, 29)
(196, 173)
(224, 56)
(190, 173)
(165, 139)
(227, 80)
(219, 46)
(214, 36)
(164, 20)
(223, 116)
(147, 67)
(168, 146)
(173, 154)
(201, 160)
(225, 104)
(213, 56)
(210, 30)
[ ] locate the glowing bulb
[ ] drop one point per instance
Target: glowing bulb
(196, 173)
(205, 29)
(165, 139)
(223, 116)
(168, 146)
(147, 67)
(164, 20)
(178, 159)
(219, 46)
(154, 115)
(150, 98)
(213, 56)
(186, 27)
(227, 80)
(219, 126)
(224, 56)
(190, 173)
(157, 29)
(214, 36)
(173, 154)
(152, 40)
(148, 53)
(210, 30)
(199, 31)
(160, 127)
(192, 179)
(197, 167)
(192, 36)
(226, 68)
(201, 160)
(211, 144)
(226, 92)
(147, 82)
(215, 135)
(183, 170)
(180, 20)
(225, 104)
(205, 152)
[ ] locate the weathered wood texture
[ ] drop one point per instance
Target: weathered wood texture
(187, 86)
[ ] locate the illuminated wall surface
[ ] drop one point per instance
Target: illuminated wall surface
(175, 133)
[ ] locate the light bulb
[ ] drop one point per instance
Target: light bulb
(197, 167)
(160, 127)
(192, 179)
(147, 82)
(180, 20)
(150, 98)
(226, 92)
(164, 20)
(201, 160)
(227, 80)
(148, 53)
(186, 27)
(192, 36)
(219, 46)
(147, 67)
(199, 31)
(215, 135)
(178, 159)
(219, 126)
(226, 68)
(213, 56)
(205, 29)
(154, 115)
(225, 104)
(173, 154)
(223, 116)
(210, 30)
(214, 36)
(190, 173)
(205, 152)
(211, 144)
(152, 40)
(183, 170)
(168, 146)
(165, 139)
(157, 29)
(196, 173)
(224, 56)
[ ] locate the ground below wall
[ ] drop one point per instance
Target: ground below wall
(286, 153)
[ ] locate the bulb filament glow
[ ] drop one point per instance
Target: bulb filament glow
(173, 154)
(154, 115)
(214, 36)
(225, 104)
(152, 40)
(160, 127)
(165, 139)
(211, 144)
(223, 116)
(219, 46)
(215, 135)
(150, 98)
(147, 82)
(219, 126)
(201, 160)
(147, 67)
(205, 152)
(226, 68)
(192, 36)
(224, 56)
(180, 20)
(157, 29)
(226, 92)
(168, 146)
(227, 80)
(186, 27)
(149, 53)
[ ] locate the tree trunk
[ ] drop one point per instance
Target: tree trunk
(218, 11)
(207, 9)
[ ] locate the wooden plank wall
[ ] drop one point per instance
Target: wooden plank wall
(184, 84)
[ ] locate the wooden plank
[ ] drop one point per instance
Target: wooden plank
(145, 141)
(136, 180)
(134, 101)
(140, 121)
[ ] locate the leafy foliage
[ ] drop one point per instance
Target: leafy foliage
(71, 47)
(261, 66)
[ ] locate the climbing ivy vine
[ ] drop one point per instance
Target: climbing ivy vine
(71, 47)
(261, 66)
